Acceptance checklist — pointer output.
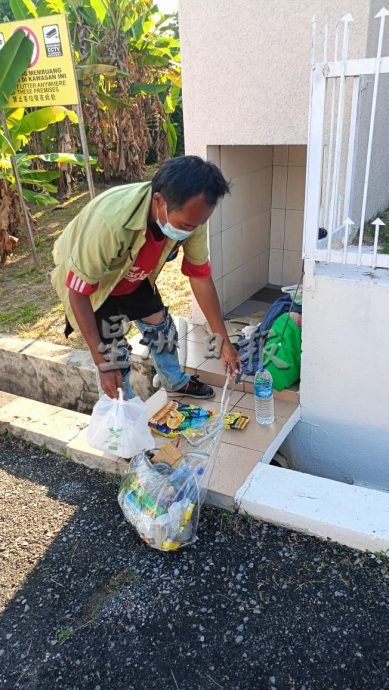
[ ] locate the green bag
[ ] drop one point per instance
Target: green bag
(283, 359)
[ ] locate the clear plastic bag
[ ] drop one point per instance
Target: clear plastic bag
(120, 427)
(163, 502)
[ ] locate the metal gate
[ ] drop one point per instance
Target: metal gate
(337, 102)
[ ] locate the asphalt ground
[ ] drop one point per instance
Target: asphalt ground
(249, 606)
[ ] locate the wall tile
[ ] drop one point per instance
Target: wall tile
(264, 267)
(235, 248)
(240, 284)
(232, 204)
(294, 224)
(215, 221)
(216, 255)
(295, 188)
(232, 161)
(280, 155)
(292, 267)
(277, 229)
(213, 155)
(245, 241)
(275, 266)
(257, 192)
(257, 231)
(297, 155)
(279, 186)
(263, 157)
(240, 160)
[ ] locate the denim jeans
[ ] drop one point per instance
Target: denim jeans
(161, 339)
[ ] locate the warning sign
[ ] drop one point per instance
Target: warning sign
(50, 78)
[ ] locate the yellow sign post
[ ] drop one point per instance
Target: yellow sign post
(50, 78)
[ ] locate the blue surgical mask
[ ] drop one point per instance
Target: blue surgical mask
(172, 232)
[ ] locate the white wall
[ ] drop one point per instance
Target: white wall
(246, 66)
(344, 432)
(287, 215)
(239, 229)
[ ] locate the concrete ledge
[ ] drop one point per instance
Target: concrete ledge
(40, 423)
(351, 515)
(57, 374)
(62, 431)
(79, 450)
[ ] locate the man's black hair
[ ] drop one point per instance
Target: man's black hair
(182, 178)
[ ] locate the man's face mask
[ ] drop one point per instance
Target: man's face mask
(172, 232)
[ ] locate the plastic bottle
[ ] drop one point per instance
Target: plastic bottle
(263, 396)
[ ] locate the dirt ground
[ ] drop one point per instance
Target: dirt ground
(29, 306)
(86, 605)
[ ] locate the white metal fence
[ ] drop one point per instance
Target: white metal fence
(334, 122)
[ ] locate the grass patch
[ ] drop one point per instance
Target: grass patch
(63, 634)
(25, 313)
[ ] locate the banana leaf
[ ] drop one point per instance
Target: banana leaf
(99, 8)
(171, 136)
(5, 146)
(42, 118)
(148, 88)
(15, 56)
(47, 7)
(39, 199)
(23, 9)
(88, 71)
(73, 158)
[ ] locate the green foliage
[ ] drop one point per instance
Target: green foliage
(127, 55)
(5, 11)
(15, 56)
(63, 633)
(23, 9)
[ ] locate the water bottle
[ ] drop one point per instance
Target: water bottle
(263, 396)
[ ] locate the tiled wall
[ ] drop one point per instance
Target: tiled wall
(287, 214)
(239, 229)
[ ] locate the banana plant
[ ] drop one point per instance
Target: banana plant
(128, 67)
(20, 127)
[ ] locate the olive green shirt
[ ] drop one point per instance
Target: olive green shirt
(102, 242)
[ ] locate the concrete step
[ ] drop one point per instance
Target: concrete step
(355, 516)
(352, 515)
(64, 431)
(241, 451)
(60, 430)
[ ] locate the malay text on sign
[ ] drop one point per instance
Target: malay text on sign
(50, 78)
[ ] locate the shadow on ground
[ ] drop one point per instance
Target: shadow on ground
(87, 605)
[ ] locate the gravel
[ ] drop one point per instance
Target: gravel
(249, 606)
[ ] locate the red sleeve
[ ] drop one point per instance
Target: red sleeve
(78, 285)
(195, 270)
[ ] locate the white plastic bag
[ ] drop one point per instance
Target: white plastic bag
(120, 427)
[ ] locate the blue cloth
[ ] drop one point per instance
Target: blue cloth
(250, 348)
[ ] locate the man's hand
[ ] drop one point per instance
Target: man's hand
(230, 357)
(110, 382)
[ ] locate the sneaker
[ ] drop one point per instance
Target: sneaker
(194, 389)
